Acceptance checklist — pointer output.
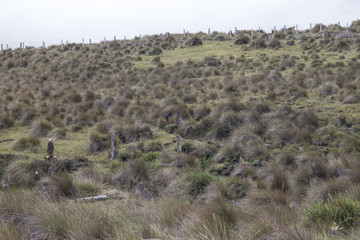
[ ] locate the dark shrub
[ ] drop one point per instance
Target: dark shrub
(96, 142)
(287, 159)
(74, 97)
(135, 133)
(280, 180)
(274, 43)
(63, 184)
(194, 42)
(243, 39)
(26, 143)
(339, 211)
(197, 183)
(6, 121)
(307, 119)
(42, 128)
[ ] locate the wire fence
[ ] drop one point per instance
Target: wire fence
(266, 29)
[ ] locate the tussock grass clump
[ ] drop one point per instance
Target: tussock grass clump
(135, 133)
(175, 159)
(86, 187)
(10, 231)
(6, 121)
(42, 128)
(243, 39)
(21, 173)
(96, 142)
(197, 181)
(287, 159)
(58, 133)
(338, 212)
(25, 143)
(63, 184)
(280, 180)
(194, 42)
(274, 43)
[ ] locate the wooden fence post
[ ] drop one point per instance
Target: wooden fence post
(6, 183)
(184, 33)
(112, 145)
(208, 32)
(284, 29)
(83, 42)
(296, 30)
(310, 26)
(114, 39)
(2, 47)
(7, 46)
(90, 41)
(320, 27)
(188, 35)
(178, 143)
(43, 44)
(252, 33)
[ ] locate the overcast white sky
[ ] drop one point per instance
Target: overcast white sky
(34, 21)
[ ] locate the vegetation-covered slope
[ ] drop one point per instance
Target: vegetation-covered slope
(269, 130)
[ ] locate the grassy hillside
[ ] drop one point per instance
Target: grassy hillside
(269, 129)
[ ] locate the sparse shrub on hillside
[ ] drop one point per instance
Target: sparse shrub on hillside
(197, 183)
(63, 184)
(194, 41)
(134, 133)
(280, 180)
(243, 39)
(259, 43)
(25, 143)
(155, 51)
(355, 26)
(201, 111)
(287, 159)
(96, 142)
(6, 121)
(21, 173)
(42, 128)
(339, 212)
(58, 133)
(274, 43)
(74, 97)
(180, 160)
(307, 119)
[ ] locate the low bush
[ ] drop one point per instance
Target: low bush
(96, 142)
(340, 212)
(280, 180)
(150, 157)
(197, 181)
(274, 43)
(58, 133)
(194, 42)
(6, 121)
(243, 39)
(63, 184)
(135, 133)
(26, 143)
(21, 173)
(42, 128)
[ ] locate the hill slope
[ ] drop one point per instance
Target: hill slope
(269, 129)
